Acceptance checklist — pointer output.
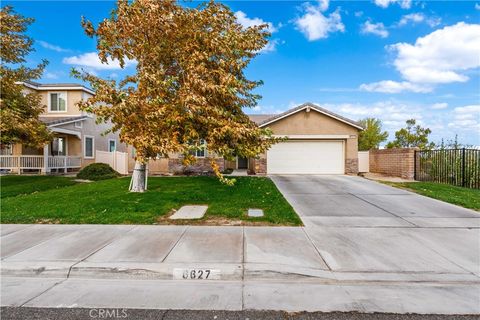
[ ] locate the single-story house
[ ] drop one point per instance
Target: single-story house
(318, 141)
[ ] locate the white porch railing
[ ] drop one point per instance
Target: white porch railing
(38, 162)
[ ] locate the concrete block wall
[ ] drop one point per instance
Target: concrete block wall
(397, 162)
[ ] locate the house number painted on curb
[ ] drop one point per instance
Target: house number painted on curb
(195, 274)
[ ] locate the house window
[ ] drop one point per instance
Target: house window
(58, 146)
(6, 149)
(112, 145)
(202, 151)
(78, 124)
(58, 102)
(89, 145)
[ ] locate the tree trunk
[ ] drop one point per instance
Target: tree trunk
(139, 177)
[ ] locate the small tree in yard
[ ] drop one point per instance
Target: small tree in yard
(371, 136)
(18, 111)
(412, 136)
(189, 84)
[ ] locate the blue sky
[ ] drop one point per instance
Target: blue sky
(393, 60)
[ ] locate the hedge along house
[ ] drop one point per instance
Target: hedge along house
(77, 136)
(318, 141)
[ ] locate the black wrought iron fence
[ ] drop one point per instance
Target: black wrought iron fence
(458, 167)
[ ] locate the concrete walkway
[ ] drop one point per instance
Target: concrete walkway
(365, 247)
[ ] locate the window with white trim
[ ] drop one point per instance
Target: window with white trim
(78, 124)
(88, 146)
(201, 152)
(58, 102)
(112, 145)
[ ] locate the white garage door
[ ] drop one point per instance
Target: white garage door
(302, 157)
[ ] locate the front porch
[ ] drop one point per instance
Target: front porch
(44, 164)
(62, 154)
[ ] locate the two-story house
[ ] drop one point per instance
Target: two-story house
(76, 135)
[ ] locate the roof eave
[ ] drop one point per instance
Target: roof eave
(313, 107)
(53, 88)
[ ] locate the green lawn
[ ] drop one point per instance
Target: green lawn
(54, 200)
(18, 185)
(468, 198)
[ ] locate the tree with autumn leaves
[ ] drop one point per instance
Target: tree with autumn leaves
(189, 85)
(19, 111)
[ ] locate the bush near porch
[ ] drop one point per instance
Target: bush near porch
(109, 202)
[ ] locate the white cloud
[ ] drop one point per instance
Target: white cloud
(389, 86)
(358, 14)
(414, 18)
(270, 46)
(323, 4)
(247, 22)
(91, 61)
(53, 47)
(374, 28)
(315, 25)
(404, 4)
(477, 6)
(383, 3)
(50, 75)
(466, 118)
(441, 56)
(439, 106)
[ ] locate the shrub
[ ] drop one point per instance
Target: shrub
(97, 171)
(227, 171)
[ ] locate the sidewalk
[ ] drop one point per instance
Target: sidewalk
(260, 268)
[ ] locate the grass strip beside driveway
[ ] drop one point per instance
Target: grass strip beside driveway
(465, 197)
(109, 202)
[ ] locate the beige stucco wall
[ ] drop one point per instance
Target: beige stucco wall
(73, 96)
(313, 122)
(157, 166)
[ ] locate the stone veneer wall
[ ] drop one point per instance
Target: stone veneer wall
(397, 162)
(351, 166)
(261, 164)
(202, 165)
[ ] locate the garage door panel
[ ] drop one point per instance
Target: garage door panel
(306, 157)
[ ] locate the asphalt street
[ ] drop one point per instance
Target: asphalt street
(9, 313)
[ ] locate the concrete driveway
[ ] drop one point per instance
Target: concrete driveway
(323, 200)
(360, 225)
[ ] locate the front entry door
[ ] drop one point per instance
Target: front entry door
(242, 163)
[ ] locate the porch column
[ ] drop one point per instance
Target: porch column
(45, 168)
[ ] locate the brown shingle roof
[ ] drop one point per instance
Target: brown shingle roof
(259, 118)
